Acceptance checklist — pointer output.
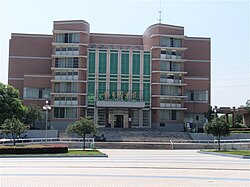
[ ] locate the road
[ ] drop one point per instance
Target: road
(127, 168)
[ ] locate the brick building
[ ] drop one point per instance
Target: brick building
(160, 79)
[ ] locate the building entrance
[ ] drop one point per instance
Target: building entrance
(119, 121)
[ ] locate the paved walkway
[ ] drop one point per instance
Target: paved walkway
(127, 168)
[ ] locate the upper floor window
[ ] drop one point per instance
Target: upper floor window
(36, 93)
(197, 95)
(68, 38)
(170, 42)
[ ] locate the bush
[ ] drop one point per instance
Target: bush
(34, 149)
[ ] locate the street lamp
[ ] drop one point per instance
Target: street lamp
(46, 107)
(215, 110)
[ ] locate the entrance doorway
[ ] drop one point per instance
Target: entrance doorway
(118, 121)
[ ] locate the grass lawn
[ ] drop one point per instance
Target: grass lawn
(86, 152)
(236, 152)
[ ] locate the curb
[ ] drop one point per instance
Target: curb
(55, 156)
(223, 154)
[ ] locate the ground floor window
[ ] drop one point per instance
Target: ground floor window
(170, 115)
(63, 112)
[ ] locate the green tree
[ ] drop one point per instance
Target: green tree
(34, 113)
(209, 114)
(247, 107)
(11, 105)
(218, 128)
(14, 127)
(82, 127)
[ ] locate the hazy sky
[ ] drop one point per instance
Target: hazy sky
(226, 22)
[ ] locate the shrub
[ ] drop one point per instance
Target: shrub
(34, 149)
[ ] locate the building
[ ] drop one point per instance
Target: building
(158, 79)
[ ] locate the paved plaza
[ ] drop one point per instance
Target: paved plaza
(127, 168)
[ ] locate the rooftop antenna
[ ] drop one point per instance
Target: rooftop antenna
(160, 12)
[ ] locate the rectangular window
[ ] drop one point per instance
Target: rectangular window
(135, 91)
(146, 65)
(101, 90)
(124, 90)
(170, 115)
(136, 64)
(113, 90)
(68, 38)
(102, 62)
(91, 92)
(113, 63)
(36, 93)
(125, 64)
(91, 62)
(146, 92)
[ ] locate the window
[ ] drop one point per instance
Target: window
(170, 42)
(146, 92)
(197, 95)
(146, 64)
(166, 115)
(61, 112)
(36, 93)
(125, 64)
(135, 91)
(68, 38)
(170, 90)
(102, 62)
(66, 87)
(113, 63)
(91, 62)
(136, 64)
(91, 92)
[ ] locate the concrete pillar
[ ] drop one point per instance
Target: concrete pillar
(106, 117)
(140, 118)
(233, 117)
(95, 115)
(226, 118)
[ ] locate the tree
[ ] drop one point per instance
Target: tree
(11, 105)
(247, 107)
(34, 113)
(209, 114)
(217, 127)
(14, 127)
(81, 128)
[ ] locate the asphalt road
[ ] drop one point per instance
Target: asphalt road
(127, 168)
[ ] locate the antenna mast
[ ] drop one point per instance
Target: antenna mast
(160, 12)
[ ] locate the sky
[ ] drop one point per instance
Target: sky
(227, 23)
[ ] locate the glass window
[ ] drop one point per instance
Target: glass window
(91, 92)
(135, 91)
(91, 62)
(136, 64)
(146, 67)
(113, 63)
(146, 92)
(125, 64)
(102, 62)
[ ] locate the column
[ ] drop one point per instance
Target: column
(140, 118)
(95, 115)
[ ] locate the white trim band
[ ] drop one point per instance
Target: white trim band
(31, 57)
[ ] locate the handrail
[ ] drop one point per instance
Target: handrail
(49, 140)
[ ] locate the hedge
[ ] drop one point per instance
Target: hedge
(34, 149)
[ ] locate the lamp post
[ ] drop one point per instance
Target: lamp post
(46, 107)
(215, 110)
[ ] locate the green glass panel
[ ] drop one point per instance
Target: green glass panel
(102, 62)
(146, 65)
(125, 64)
(146, 92)
(113, 63)
(101, 90)
(91, 62)
(136, 64)
(124, 91)
(135, 91)
(91, 92)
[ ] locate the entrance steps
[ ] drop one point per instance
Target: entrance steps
(141, 135)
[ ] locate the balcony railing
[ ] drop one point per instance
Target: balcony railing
(63, 102)
(75, 77)
(164, 56)
(171, 81)
(170, 105)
